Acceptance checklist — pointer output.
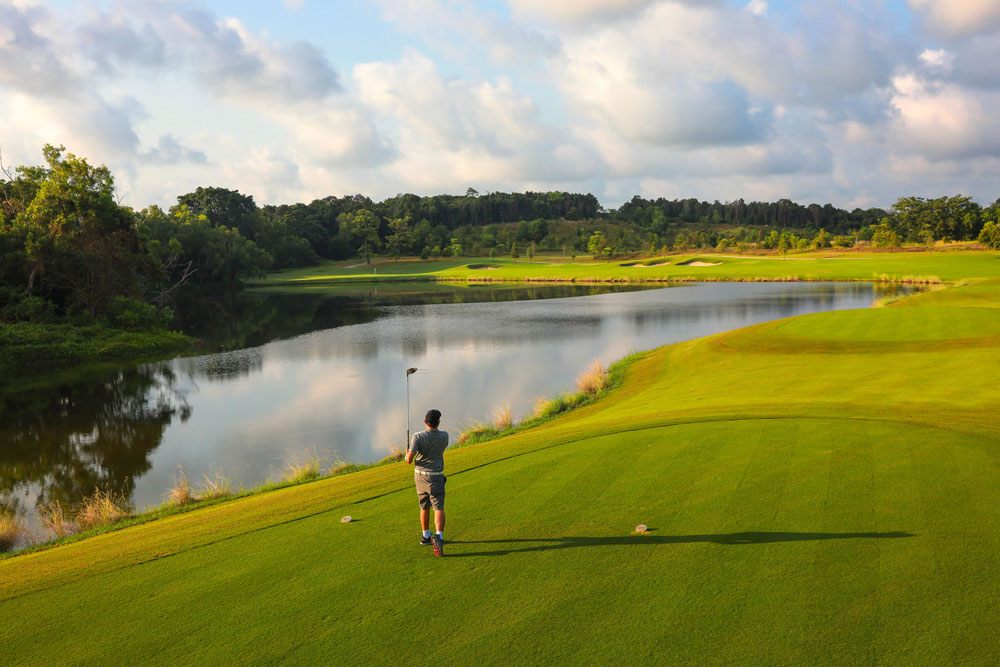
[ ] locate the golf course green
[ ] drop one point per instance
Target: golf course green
(823, 489)
(923, 267)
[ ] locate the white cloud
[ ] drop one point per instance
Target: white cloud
(943, 121)
(170, 151)
(30, 60)
(456, 29)
(757, 7)
(451, 132)
(960, 17)
(937, 59)
(234, 61)
(576, 10)
(336, 134)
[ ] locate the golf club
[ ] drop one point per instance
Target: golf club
(409, 372)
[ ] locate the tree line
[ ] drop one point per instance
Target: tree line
(68, 248)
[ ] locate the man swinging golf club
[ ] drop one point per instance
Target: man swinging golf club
(426, 452)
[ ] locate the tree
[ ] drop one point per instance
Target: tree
(218, 254)
(398, 241)
(79, 244)
(531, 253)
(822, 239)
(597, 243)
(223, 208)
(990, 235)
(513, 251)
(454, 249)
(884, 236)
(366, 226)
(784, 243)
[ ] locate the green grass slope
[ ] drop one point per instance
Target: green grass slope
(822, 489)
(942, 266)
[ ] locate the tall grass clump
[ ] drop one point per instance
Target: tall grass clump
(215, 487)
(502, 419)
(593, 380)
(396, 453)
(11, 530)
(102, 509)
(546, 406)
(56, 519)
(476, 433)
(180, 492)
(303, 467)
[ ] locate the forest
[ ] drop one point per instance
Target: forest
(70, 252)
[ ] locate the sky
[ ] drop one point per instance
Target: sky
(851, 102)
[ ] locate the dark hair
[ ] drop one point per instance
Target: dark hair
(432, 418)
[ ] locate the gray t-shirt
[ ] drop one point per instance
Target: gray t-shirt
(429, 447)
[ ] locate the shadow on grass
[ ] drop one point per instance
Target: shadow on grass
(535, 544)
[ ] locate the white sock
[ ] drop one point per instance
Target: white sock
(427, 533)
(441, 534)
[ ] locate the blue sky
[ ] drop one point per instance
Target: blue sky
(854, 103)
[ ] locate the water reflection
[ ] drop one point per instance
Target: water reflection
(60, 441)
(332, 375)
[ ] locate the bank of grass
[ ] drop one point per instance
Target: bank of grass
(821, 489)
(36, 347)
(910, 267)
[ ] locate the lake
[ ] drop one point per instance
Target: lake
(323, 370)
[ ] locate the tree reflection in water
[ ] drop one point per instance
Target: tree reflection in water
(97, 429)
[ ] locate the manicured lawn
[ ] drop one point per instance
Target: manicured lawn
(942, 266)
(824, 489)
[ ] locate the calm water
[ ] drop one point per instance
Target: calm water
(335, 383)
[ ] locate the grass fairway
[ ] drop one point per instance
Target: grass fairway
(822, 489)
(827, 265)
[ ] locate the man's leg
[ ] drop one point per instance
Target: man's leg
(425, 519)
(439, 521)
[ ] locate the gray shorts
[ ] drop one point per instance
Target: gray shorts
(430, 490)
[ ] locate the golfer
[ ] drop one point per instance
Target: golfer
(426, 452)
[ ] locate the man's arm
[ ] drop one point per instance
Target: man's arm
(411, 450)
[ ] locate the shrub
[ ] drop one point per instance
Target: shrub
(843, 242)
(15, 307)
(102, 509)
(126, 313)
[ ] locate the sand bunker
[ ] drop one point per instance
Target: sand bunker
(482, 267)
(699, 263)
